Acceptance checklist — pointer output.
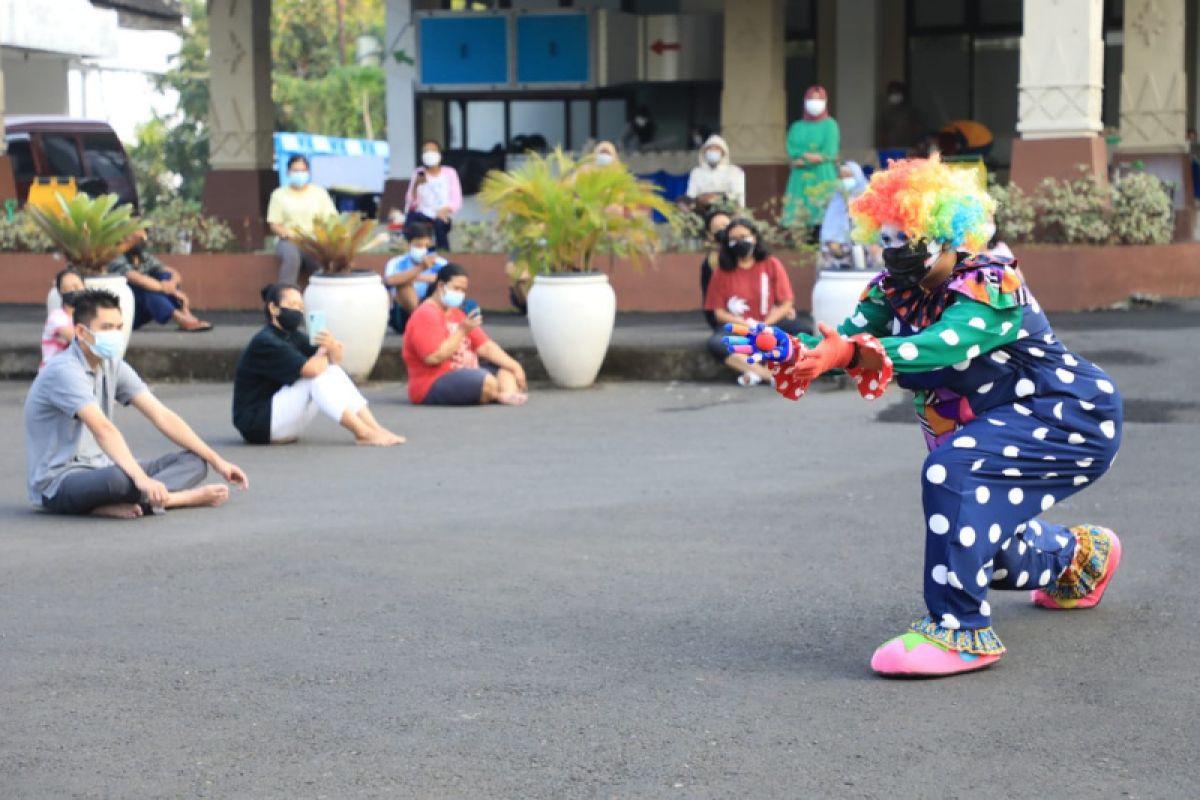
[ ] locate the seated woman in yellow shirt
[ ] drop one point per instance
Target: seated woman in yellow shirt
(292, 209)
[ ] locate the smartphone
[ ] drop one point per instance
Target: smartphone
(470, 307)
(314, 324)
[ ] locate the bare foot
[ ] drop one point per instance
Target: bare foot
(379, 439)
(212, 495)
(118, 511)
(512, 398)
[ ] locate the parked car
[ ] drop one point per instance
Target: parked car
(86, 150)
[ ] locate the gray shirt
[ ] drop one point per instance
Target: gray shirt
(56, 441)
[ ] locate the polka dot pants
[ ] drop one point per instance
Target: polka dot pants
(983, 489)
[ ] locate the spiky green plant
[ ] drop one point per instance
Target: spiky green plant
(559, 213)
(89, 231)
(336, 240)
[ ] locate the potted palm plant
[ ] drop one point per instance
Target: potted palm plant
(558, 214)
(354, 302)
(90, 232)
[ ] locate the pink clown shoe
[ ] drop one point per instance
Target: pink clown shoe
(912, 655)
(1098, 553)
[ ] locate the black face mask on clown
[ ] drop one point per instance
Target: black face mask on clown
(907, 261)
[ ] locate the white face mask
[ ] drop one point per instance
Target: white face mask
(431, 158)
(713, 157)
(815, 107)
(895, 99)
(417, 253)
(604, 159)
(849, 184)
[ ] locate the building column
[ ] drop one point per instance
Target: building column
(855, 96)
(753, 99)
(241, 117)
(1062, 77)
(1154, 100)
(400, 74)
(8, 186)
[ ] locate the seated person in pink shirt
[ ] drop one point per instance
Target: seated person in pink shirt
(434, 195)
(60, 325)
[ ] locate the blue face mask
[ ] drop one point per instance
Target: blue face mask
(298, 179)
(106, 345)
(452, 298)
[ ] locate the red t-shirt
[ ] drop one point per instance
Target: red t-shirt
(749, 293)
(427, 328)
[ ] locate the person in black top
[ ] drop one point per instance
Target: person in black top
(282, 380)
(715, 223)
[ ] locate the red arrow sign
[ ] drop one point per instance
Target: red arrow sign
(659, 46)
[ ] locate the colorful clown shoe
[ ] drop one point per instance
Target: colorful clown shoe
(916, 655)
(1097, 555)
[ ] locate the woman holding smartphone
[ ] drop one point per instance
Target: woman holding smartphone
(283, 380)
(443, 347)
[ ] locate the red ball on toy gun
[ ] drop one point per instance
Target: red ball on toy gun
(766, 341)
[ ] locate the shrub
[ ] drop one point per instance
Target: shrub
(1074, 211)
(1142, 210)
(178, 226)
(1015, 213)
(21, 235)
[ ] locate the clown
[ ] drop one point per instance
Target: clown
(1014, 422)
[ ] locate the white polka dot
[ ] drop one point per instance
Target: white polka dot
(950, 622)
(1037, 352)
(978, 463)
(1040, 433)
(1076, 438)
(873, 385)
(908, 351)
(1108, 428)
(966, 536)
(1012, 472)
(994, 533)
(1024, 387)
(985, 607)
(981, 578)
(939, 524)
(964, 442)
(1021, 528)
(1048, 338)
(1021, 334)
(1015, 495)
(1021, 547)
(999, 423)
(962, 366)
(987, 387)
(858, 319)
(1085, 462)
(1022, 579)
(936, 474)
(953, 580)
(1049, 476)
(1022, 410)
(973, 351)
(1058, 409)
(1034, 305)
(1005, 327)
(1000, 357)
(1044, 578)
(983, 494)
(1007, 542)
(938, 574)
(1080, 480)
(1036, 526)
(868, 396)
(1105, 386)
(977, 322)
(1065, 375)
(1048, 502)
(1062, 540)
(1049, 458)
(1070, 360)
(949, 336)
(1086, 406)
(999, 574)
(1012, 451)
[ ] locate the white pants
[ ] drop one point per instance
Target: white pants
(332, 393)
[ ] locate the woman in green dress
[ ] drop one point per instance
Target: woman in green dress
(812, 146)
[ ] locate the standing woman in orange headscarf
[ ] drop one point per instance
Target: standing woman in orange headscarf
(812, 145)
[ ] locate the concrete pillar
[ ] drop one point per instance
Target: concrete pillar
(1154, 101)
(241, 116)
(754, 100)
(8, 186)
(857, 100)
(400, 71)
(1062, 76)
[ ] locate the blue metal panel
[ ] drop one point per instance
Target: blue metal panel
(552, 48)
(464, 50)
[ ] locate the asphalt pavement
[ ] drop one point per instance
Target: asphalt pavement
(640, 590)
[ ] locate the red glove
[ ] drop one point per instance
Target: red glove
(834, 352)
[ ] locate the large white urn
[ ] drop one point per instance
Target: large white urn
(571, 317)
(355, 305)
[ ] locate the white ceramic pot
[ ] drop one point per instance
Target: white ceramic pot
(835, 294)
(356, 311)
(115, 284)
(571, 318)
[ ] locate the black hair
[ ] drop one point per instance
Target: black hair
(296, 158)
(433, 142)
(726, 259)
(711, 214)
(417, 229)
(273, 293)
(62, 274)
(897, 87)
(90, 301)
(445, 275)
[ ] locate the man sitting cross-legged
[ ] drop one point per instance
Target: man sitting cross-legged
(77, 460)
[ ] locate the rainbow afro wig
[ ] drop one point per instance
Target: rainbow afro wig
(927, 200)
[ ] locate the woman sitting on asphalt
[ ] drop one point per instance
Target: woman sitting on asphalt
(443, 347)
(283, 380)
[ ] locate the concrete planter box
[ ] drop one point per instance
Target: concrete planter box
(1063, 278)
